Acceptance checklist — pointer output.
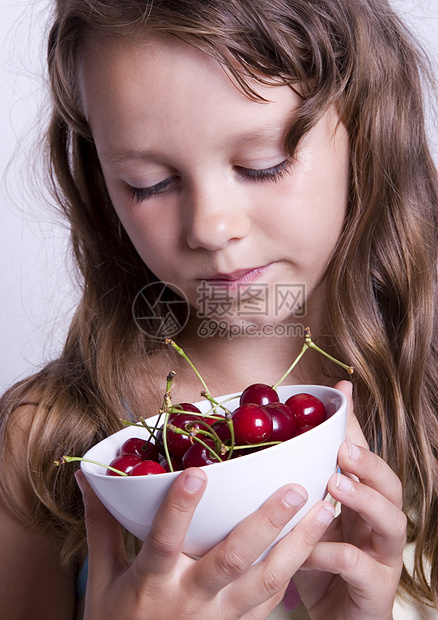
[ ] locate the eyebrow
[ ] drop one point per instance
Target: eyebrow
(118, 155)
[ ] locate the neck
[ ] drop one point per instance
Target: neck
(230, 364)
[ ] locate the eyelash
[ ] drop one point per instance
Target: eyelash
(144, 193)
(275, 173)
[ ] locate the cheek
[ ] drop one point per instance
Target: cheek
(152, 232)
(154, 242)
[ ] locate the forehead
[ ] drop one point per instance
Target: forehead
(165, 80)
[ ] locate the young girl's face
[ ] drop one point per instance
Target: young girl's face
(200, 178)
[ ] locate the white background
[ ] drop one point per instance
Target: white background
(37, 294)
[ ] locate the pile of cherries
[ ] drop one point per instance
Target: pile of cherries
(189, 438)
(193, 439)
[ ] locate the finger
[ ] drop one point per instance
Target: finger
(371, 470)
(164, 542)
(232, 557)
(357, 568)
(104, 535)
(266, 579)
(387, 522)
(353, 430)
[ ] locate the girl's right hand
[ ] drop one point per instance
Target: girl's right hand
(164, 583)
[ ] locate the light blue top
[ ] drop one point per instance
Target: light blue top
(81, 581)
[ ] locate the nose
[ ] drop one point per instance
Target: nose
(214, 217)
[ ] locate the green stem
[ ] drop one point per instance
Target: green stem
(233, 438)
(257, 445)
(309, 344)
(182, 353)
(180, 431)
(167, 405)
(166, 449)
(292, 366)
(150, 429)
(349, 369)
(212, 452)
(216, 404)
(178, 410)
(72, 459)
(140, 425)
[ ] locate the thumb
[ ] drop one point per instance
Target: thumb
(354, 432)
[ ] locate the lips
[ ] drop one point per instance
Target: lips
(241, 276)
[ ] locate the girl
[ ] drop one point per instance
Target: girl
(228, 150)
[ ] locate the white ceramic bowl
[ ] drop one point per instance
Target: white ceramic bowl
(235, 488)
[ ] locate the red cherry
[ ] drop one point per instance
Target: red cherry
(222, 430)
(178, 444)
(284, 422)
(147, 468)
(124, 463)
(176, 463)
(198, 455)
(252, 424)
(146, 450)
(259, 394)
(308, 410)
(303, 429)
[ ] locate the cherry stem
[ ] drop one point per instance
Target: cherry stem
(181, 431)
(211, 434)
(228, 418)
(150, 429)
(167, 404)
(143, 424)
(216, 404)
(255, 445)
(208, 415)
(206, 394)
(349, 369)
(71, 459)
(309, 344)
(166, 449)
(292, 366)
(183, 354)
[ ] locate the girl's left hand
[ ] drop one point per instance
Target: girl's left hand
(353, 573)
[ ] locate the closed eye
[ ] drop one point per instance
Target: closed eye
(275, 173)
(144, 193)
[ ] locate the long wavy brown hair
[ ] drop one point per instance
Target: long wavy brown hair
(381, 282)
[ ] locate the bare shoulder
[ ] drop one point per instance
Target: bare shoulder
(33, 581)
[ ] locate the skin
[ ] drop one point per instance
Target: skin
(33, 584)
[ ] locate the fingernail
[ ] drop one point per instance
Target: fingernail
(294, 498)
(326, 514)
(343, 483)
(193, 483)
(353, 451)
